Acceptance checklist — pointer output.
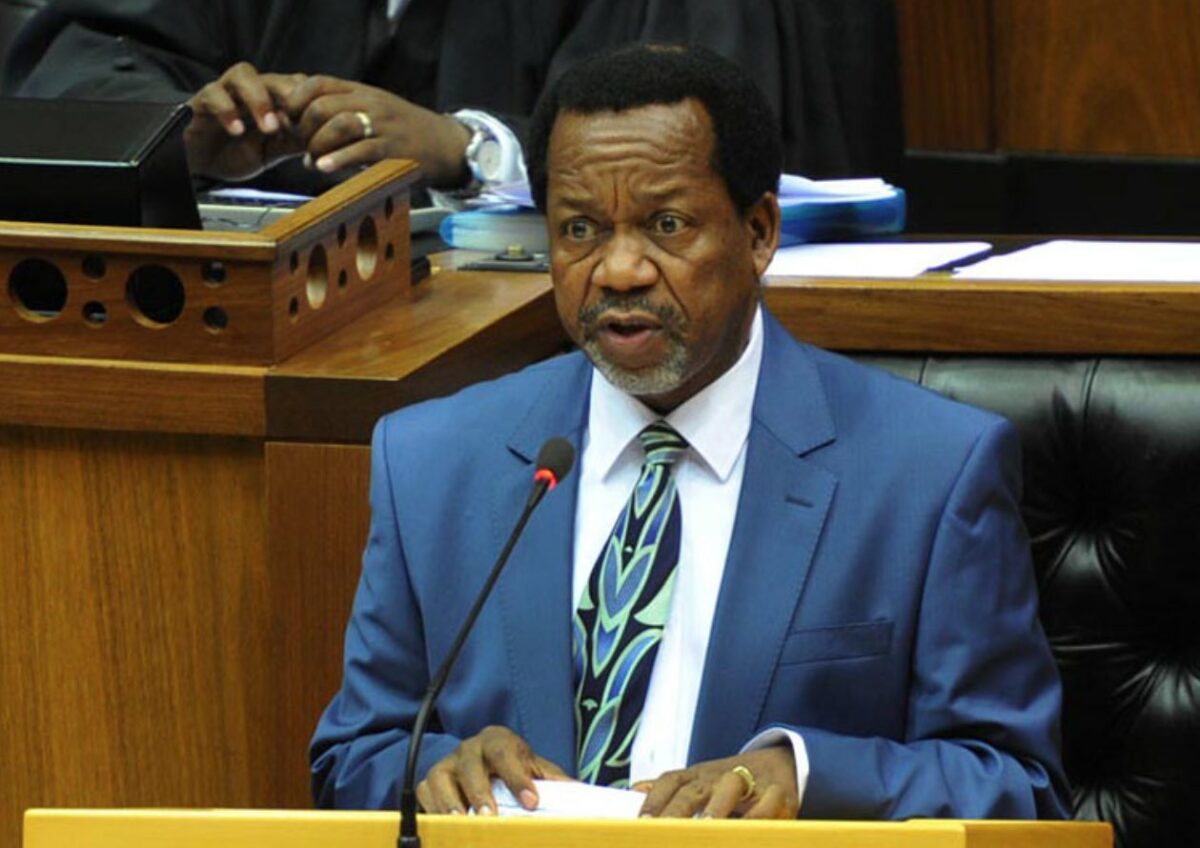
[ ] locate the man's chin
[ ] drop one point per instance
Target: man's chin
(655, 381)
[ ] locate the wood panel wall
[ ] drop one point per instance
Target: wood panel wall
(155, 653)
(1099, 76)
(318, 517)
(176, 567)
(946, 74)
(134, 609)
(1063, 76)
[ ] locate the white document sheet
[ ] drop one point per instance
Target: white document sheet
(1094, 261)
(572, 800)
(869, 259)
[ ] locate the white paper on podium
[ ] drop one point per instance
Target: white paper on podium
(869, 259)
(1075, 260)
(571, 800)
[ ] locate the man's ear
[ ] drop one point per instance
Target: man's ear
(762, 219)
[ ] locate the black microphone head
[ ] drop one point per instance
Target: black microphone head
(557, 456)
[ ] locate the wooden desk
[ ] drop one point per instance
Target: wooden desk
(942, 314)
(180, 545)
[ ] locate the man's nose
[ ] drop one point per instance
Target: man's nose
(625, 263)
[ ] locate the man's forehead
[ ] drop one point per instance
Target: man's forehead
(684, 123)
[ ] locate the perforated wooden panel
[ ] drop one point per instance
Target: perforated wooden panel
(192, 296)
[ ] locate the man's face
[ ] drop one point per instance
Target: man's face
(655, 272)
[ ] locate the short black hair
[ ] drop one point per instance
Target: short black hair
(747, 145)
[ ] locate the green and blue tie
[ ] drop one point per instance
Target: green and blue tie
(621, 615)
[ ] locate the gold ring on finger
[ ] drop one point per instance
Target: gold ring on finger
(748, 779)
(368, 127)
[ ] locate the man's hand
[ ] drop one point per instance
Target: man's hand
(240, 126)
(463, 780)
(328, 113)
(714, 790)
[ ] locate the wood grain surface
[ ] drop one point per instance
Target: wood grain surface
(460, 328)
(137, 622)
(132, 395)
(946, 72)
(244, 296)
(318, 514)
(939, 313)
(195, 296)
(140, 241)
(173, 605)
(1099, 76)
(1103, 77)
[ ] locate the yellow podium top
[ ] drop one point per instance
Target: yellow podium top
(307, 829)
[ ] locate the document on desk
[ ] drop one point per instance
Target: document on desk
(571, 800)
(1077, 260)
(870, 259)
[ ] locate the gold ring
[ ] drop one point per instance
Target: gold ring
(747, 778)
(368, 128)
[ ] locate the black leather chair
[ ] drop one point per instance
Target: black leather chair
(1112, 504)
(13, 14)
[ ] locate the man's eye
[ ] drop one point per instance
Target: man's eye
(667, 225)
(579, 229)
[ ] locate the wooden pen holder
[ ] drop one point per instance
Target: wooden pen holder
(211, 297)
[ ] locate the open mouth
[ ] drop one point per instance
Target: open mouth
(629, 327)
(631, 340)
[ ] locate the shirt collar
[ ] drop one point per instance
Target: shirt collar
(715, 421)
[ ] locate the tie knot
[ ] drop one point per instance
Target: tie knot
(662, 444)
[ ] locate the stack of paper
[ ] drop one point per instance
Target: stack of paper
(826, 210)
(572, 800)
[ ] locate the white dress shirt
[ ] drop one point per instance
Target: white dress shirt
(708, 479)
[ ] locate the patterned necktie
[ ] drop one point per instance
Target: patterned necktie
(621, 616)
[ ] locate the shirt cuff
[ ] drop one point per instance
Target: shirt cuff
(512, 158)
(777, 736)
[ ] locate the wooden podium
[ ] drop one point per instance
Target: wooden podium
(288, 829)
(184, 502)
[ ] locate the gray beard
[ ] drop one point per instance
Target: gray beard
(662, 378)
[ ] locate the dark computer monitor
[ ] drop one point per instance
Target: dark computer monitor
(95, 162)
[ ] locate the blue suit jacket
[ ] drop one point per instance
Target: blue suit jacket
(878, 597)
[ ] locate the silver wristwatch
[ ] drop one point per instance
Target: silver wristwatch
(483, 155)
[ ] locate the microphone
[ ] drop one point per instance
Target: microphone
(554, 462)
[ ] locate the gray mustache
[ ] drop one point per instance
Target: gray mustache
(670, 317)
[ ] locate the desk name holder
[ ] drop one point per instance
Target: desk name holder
(223, 298)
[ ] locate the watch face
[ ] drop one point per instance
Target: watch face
(486, 161)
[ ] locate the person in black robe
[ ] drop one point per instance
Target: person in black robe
(828, 67)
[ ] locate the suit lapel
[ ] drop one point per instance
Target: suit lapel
(535, 590)
(785, 498)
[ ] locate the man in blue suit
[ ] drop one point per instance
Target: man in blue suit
(845, 618)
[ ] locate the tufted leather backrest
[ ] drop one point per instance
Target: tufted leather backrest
(13, 15)
(1112, 503)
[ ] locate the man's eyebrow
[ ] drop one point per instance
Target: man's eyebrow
(664, 195)
(586, 201)
(580, 202)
